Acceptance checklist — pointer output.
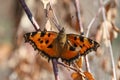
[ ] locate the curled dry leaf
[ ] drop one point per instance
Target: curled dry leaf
(79, 62)
(77, 76)
(106, 64)
(112, 32)
(89, 76)
(111, 10)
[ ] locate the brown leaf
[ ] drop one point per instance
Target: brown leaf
(79, 62)
(77, 76)
(89, 76)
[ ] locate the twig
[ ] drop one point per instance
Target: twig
(74, 69)
(55, 69)
(109, 43)
(79, 16)
(29, 14)
(55, 20)
(92, 21)
(87, 34)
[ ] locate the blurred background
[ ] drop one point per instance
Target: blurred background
(19, 61)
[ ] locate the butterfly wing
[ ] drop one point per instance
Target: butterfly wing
(86, 45)
(42, 41)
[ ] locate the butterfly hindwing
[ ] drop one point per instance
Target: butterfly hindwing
(42, 41)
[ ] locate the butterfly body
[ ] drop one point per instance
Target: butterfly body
(68, 47)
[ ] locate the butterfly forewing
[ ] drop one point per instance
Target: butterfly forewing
(42, 41)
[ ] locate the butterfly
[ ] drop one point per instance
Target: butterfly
(55, 45)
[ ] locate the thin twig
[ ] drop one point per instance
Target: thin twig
(29, 14)
(79, 16)
(55, 69)
(55, 17)
(92, 21)
(87, 34)
(109, 43)
(74, 69)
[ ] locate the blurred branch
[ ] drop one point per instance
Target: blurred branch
(74, 69)
(29, 14)
(55, 69)
(109, 43)
(55, 20)
(92, 21)
(77, 4)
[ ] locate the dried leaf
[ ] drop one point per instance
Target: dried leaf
(89, 76)
(79, 62)
(77, 76)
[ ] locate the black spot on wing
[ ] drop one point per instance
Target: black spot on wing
(72, 48)
(75, 45)
(90, 41)
(80, 46)
(83, 45)
(75, 38)
(26, 37)
(81, 38)
(42, 34)
(50, 46)
(33, 34)
(41, 41)
(96, 45)
(47, 41)
(49, 34)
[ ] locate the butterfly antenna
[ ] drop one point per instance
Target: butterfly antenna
(29, 14)
(55, 19)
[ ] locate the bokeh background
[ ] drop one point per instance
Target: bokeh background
(19, 61)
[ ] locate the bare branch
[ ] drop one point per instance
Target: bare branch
(29, 14)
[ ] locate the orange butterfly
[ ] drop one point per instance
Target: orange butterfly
(68, 47)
